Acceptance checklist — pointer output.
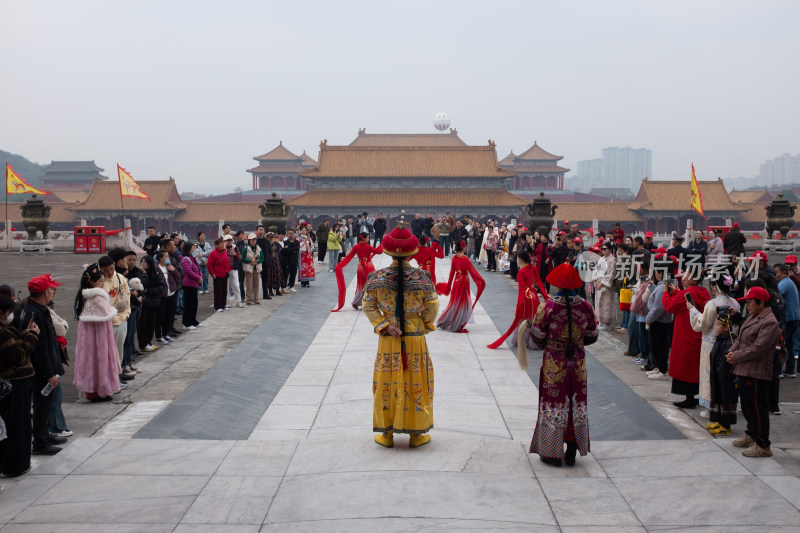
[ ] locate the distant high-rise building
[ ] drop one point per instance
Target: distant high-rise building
(620, 168)
(782, 170)
(626, 167)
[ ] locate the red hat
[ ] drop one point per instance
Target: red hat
(790, 260)
(400, 243)
(649, 234)
(42, 283)
(661, 250)
(735, 225)
(566, 222)
(577, 239)
(755, 293)
(758, 254)
(565, 276)
(562, 232)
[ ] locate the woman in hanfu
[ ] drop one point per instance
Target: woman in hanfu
(562, 327)
(527, 300)
(401, 304)
(307, 272)
(459, 309)
(365, 253)
(426, 256)
(603, 283)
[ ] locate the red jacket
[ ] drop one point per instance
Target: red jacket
(684, 358)
(218, 264)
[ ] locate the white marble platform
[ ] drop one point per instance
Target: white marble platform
(311, 464)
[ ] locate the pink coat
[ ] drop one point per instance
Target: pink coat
(97, 366)
(191, 272)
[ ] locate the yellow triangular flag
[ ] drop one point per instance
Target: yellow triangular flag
(127, 186)
(697, 198)
(17, 185)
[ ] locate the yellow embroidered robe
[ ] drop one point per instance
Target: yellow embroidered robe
(403, 399)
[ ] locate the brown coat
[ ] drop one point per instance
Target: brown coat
(15, 353)
(754, 349)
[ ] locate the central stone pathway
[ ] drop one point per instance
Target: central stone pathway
(309, 462)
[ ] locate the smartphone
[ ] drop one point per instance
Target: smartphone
(689, 298)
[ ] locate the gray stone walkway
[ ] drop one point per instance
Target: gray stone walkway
(310, 463)
(616, 412)
(229, 399)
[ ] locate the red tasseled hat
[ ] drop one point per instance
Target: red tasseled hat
(400, 243)
(565, 276)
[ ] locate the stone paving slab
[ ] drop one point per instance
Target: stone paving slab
(229, 399)
(310, 464)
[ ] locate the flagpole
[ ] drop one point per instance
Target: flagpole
(7, 222)
(122, 203)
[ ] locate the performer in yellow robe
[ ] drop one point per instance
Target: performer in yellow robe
(403, 377)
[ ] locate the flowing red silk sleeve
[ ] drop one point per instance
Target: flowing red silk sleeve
(542, 288)
(519, 314)
(438, 251)
(340, 277)
(419, 257)
(479, 281)
(445, 288)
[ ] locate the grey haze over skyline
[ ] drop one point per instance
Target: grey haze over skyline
(196, 89)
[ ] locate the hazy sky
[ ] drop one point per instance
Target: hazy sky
(195, 89)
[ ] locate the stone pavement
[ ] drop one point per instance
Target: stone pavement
(310, 464)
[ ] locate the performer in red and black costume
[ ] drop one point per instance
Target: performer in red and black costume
(527, 300)
(459, 309)
(426, 256)
(365, 253)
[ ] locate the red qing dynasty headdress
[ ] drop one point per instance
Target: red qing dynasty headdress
(400, 243)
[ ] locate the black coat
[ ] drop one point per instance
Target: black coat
(459, 234)
(151, 245)
(290, 255)
(417, 227)
(155, 287)
(379, 226)
(46, 357)
(733, 242)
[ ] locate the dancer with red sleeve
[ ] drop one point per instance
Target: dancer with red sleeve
(365, 253)
(527, 300)
(459, 309)
(426, 257)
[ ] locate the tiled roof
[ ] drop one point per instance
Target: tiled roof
(72, 166)
(69, 197)
(407, 161)
(508, 161)
(408, 139)
(307, 161)
(228, 211)
(752, 212)
(408, 197)
(535, 152)
(604, 212)
(621, 192)
(530, 169)
(746, 197)
(676, 196)
(279, 169)
(277, 153)
(565, 196)
(104, 196)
